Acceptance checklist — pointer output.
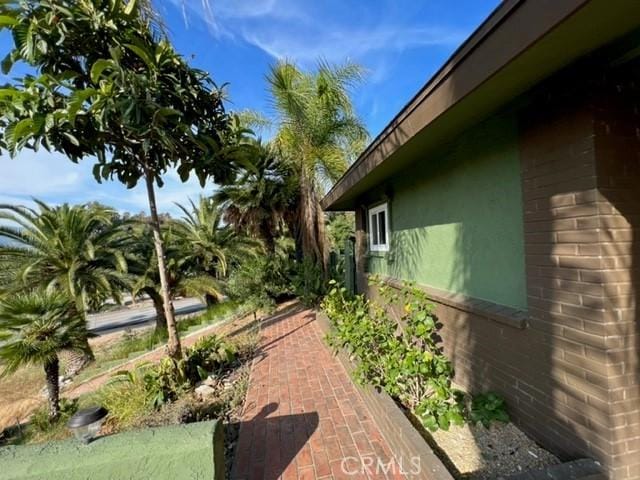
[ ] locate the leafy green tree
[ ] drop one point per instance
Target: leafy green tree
(318, 134)
(34, 328)
(110, 86)
(72, 248)
(261, 201)
(247, 285)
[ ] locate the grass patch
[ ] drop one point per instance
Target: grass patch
(129, 403)
(136, 343)
(213, 314)
(40, 429)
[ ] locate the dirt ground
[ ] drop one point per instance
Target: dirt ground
(20, 393)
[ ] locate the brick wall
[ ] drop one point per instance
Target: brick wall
(571, 378)
(580, 154)
(617, 151)
(565, 295)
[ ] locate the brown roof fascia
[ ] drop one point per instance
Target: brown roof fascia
(541, 15)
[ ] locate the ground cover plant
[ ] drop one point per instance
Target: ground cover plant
(162, 393)
(404, 356)
(22, 393)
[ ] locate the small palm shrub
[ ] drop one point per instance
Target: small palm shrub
(34, 328)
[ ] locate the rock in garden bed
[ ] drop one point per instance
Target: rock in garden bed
(474, 452)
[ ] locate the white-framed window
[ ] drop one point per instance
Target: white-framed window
(379, 228)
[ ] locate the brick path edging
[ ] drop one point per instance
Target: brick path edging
(404, 440)
(303, 417)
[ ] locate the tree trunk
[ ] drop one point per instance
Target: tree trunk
(321, 238)
(174, 349)
(52, 370)
(308, 222)
(158, 304)
(266, 232)
(78, 359)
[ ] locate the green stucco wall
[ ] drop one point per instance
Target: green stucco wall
(193, 451)
(456, 218)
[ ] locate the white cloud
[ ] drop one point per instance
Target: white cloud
(173, 191)
(37, 173)
(303, 31)
(335, 45)
(55, 179)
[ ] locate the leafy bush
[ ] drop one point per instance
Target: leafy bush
(308, 282)
(167, 380)
(249, 284)
(488, 407)
(206, 356)
(408, 362)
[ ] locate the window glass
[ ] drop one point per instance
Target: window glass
(378, 224)
(382, 228)
(374, 229)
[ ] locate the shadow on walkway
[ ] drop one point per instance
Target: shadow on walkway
(283, 435)
(269, 320)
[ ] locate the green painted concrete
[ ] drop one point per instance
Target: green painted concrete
(456, 218)
(193, 451)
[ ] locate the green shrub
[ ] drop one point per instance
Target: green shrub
(44, 429)
(488, 407)
(206, 356)
(249, 284)
(169, 379)
(308, 282)
(126, 399)
(408, 362)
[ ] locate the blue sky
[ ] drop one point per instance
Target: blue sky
(401, 43)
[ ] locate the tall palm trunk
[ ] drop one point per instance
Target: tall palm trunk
(321, 238)
(267, 235)
(52, 370)
(174, 349)
(308, 221)
(79, 358)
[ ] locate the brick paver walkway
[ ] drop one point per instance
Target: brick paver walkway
(304, 418)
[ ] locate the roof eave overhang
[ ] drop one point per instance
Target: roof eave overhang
(521, 43)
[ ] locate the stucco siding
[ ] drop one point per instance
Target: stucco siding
(456, 218)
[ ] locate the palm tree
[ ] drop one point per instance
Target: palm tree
(182, 278)
(260, 202)
(208, 246)
(72, 248)
(34, 328)
(318, 134)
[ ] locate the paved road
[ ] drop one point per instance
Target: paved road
(109, 322)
